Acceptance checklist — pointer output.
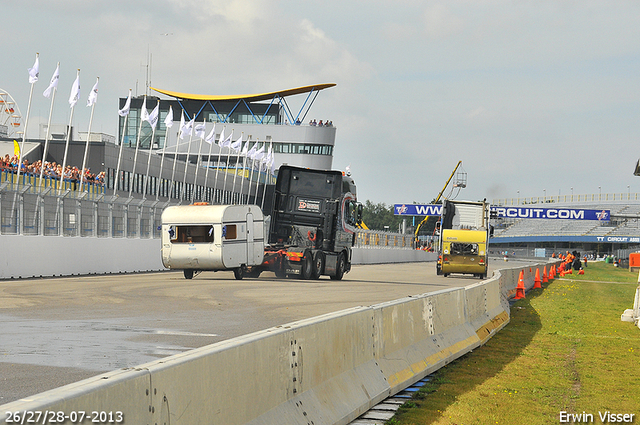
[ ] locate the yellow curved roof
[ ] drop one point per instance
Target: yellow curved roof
(246, 97)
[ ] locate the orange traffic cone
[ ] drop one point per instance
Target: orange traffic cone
(537, 281)
(520, 287)
(545, 279)
(581, 271)
(568, 271)
(561, 273)
(553, 271)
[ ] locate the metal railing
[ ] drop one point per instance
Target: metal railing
(567, 199)
(51, 208)
(48, 208)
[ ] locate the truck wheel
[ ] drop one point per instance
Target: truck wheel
(307, 266)
(318, 266)
(339, 268)
(238, 273)
(188, 274)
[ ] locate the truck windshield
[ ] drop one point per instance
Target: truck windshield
(312, 184)
(464, 248)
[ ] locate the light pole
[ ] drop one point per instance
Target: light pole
(518, 192)
(628, 192)
(599, 192)
(545, 195)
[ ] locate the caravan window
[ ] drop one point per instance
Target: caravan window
(229, 232)
(191, 234)
(464, 248)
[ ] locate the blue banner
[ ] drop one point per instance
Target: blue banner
(512, 212)
(552, 213)
(417, 209)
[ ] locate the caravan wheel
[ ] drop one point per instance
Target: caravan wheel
(238, 273)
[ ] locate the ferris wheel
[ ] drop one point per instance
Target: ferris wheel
(11, 124)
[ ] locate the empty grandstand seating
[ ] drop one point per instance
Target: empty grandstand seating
(625, 222)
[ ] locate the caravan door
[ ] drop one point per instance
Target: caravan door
(250, 251)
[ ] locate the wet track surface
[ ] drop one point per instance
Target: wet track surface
(60, 330)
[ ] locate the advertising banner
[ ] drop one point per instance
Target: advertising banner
(512, 212)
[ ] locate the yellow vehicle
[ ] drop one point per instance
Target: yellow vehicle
(464, 235)
(464, 251)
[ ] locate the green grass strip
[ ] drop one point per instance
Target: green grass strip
(564, 350)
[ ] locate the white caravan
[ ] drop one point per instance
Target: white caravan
(212, 237)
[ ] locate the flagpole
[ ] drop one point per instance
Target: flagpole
(266, 174)
(116, 180)
(26, 120)
(244, 164)
(46, 140)
(168, 122)
(226, 168)
(66, 147)
(251, 175)
(186, 166)
(135, 156)
(211, 142)
(235, 174)
(215, 183)
(153, 135)
(92, 99)
(173, 171)
(175, 153)
(195, 177)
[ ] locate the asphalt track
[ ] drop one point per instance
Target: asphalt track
(61, 330)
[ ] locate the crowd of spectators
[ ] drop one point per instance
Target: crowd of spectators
(327, 123)
(49, 170)
(313, 123)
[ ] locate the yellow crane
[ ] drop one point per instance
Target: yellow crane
(462, 183)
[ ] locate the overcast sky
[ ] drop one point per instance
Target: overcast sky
(532, 96)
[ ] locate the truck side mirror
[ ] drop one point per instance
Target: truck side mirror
(359, 212)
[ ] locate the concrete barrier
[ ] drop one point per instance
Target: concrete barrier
(68, 256)
(384, 255)
(37, 256)
(324, 370)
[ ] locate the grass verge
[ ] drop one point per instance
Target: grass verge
(564, 350)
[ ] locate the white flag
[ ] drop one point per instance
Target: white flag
(252, 152)
(53, 84)
(237, 144)
(93, 96)
(127, 106)
(181, 123)
(168, 120)
(245, 149)
(34, 72)
(144, 114)
(211, 138)
(186, 129)
(259, 154)
(199, 130)
(75, 92)
(153, 116)
(221, 139)
(226, 142)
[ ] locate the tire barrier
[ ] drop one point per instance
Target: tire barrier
(324, 370)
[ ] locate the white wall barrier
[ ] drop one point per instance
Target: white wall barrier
(385, 255)
(324, 370)
(36, 256)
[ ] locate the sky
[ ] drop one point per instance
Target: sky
(534, 97)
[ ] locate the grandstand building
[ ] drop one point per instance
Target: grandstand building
(142, 163)
(620, 231)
